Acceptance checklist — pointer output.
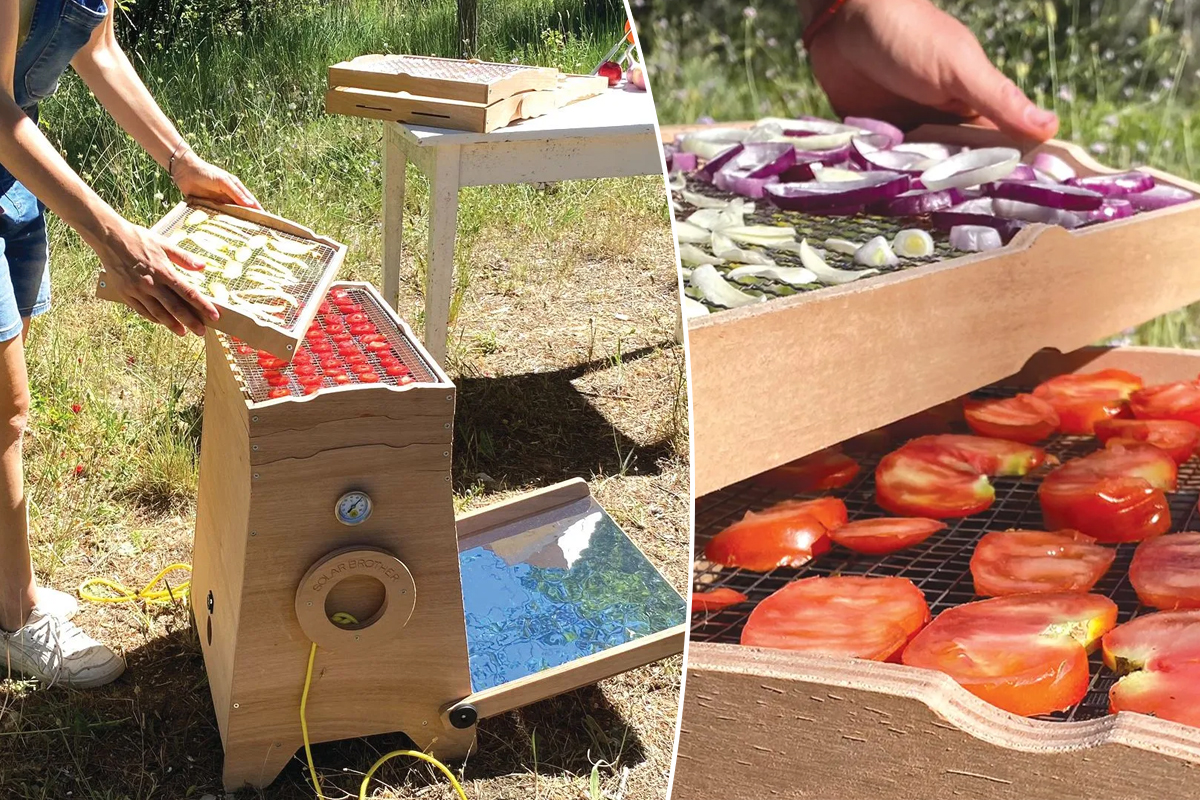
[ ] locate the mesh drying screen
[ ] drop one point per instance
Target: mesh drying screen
(816, 229)
(422, 67)
(939, 566)
(240, 274)
(257, 382)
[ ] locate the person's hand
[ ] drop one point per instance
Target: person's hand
(139, 267)
(197, 178)
(906, 62)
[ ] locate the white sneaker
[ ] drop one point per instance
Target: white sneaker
(54, 603)
(54, 651)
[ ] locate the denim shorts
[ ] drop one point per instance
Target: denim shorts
(24, 260)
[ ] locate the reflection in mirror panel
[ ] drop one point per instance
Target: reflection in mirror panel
(553, 587)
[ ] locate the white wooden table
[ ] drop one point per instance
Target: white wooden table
(611, 135)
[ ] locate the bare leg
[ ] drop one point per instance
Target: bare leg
(18, 591)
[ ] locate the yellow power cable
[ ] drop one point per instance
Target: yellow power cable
(362, 791)
(147, 594)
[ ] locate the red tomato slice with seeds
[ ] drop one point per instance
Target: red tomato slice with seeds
(356, 318)
(406, 379)
(824, 470)
(377, 346)
(1083, 400)
(368, 377)
(1023, 418)
(886, 534)
(338, 294)
(1026, 653)
(341, 379)
(321, 348)
(363, 328)
(1180, 439)
(268, 361)
(310, 380)
(395, 370)
(356, 359)
(275, 378)
(946, 475)
(278, 391)
(245, 350)
(1179, 400)
(323, 308)
(1114, 495)
(849, 615)
(788, 534)
(1165, 571)
(1021, 562)
(716, 599)
(1159, 656)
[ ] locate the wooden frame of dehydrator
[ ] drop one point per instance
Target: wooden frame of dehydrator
(819, 368)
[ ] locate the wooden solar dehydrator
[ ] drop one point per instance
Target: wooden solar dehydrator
(448, 621)
(824, 367)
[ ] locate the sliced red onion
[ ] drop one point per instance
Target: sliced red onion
(1053, 166)
(975, 238)
(834, 155)
(931, 150)
(894, 134)
(762, 159)
(1023, 172)
(681, 162)
(714, 164)
(817, 196)
(1056, 196)
(915, 203)
(1161, 196)
(976, 212)
(1113, 208)
(871, 158)
(708, 142)
(808, 165)
(971, 168)
(1119, 185)
(741, 182)
(1033, 212)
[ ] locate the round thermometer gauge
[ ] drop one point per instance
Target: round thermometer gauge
(353, 508)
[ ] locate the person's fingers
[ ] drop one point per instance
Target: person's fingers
(137, 306)
(985, 89)
(159, 314)
(189, 261)
(247, 198)
(181, 311)
(189, 293)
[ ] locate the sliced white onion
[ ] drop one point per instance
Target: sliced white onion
(702, 201)
(876, 253)
(1029, 212)
(1053, 166)
(793, 276)
(723, 247)
(913, 243)
(691, 308)
(687, 233)
(971, 168)
(763, 235)
(931, 150)
(843, 246)
(974, 238)
(692, 256)
(719, 291)
(714, 219)
(677, 181)
(825, 273)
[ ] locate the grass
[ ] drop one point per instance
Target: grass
(1122, 76)
(562, 348)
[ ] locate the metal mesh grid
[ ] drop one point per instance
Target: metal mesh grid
(253, 379)
(423, 67)
(939, 566)
(816, 229)
(308, 276)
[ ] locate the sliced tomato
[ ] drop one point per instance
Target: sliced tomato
(947, 475)
(1159, 656)
(788, 534)
(1179, 400)
(1180, 439)
(850, 616)
(1082, 400)
(885, 534)
(823, 470)
(1114, 495)
(1165, 571)
(1019, 562)
(716, 599)
(1026, 653)
(1023, 418)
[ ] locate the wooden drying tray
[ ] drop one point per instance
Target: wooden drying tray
(775, 381)
(440, 112)
(849, 729)
(480, 82)
(258, 332)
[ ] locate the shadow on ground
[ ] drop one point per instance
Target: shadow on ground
(538, 429)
